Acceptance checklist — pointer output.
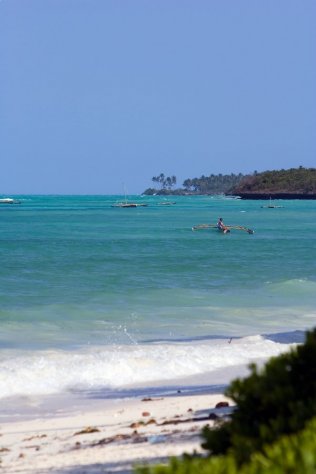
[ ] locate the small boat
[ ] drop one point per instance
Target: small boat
(227, 229)
(271, 206)
(9, 201)
(129, 204)
(166, 203)
(231, 196)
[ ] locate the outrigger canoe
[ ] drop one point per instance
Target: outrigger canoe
(129, 204)
(227, 229)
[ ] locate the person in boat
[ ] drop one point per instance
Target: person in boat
(221, 226)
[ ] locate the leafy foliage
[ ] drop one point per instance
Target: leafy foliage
(295, 180)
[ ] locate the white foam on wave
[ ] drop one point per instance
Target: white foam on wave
(48, 372)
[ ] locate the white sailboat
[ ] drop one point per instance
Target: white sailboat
(271, 206)
(128, 204)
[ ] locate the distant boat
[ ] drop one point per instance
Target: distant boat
(129, 204)
(231, 196)
(167, 203)
(9, 201)
(271, 206)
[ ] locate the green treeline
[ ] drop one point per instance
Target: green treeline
(273, 427)
(293, 181)
(212, 184)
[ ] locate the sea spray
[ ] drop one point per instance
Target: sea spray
(47, 372)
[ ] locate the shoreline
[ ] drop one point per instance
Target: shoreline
(26, 408)
(112, 436)
(94, 431)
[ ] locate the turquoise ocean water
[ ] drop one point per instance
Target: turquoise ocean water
(94, 297)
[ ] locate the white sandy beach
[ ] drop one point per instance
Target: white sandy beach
(109, 437)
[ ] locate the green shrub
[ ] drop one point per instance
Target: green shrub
(277, 400)
(294, 454)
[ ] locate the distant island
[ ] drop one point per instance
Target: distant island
(294, 183)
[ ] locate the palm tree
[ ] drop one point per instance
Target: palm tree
(161, 180)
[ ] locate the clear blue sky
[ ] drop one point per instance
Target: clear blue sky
(96, 93)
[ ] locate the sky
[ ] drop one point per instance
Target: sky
(97, 95)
